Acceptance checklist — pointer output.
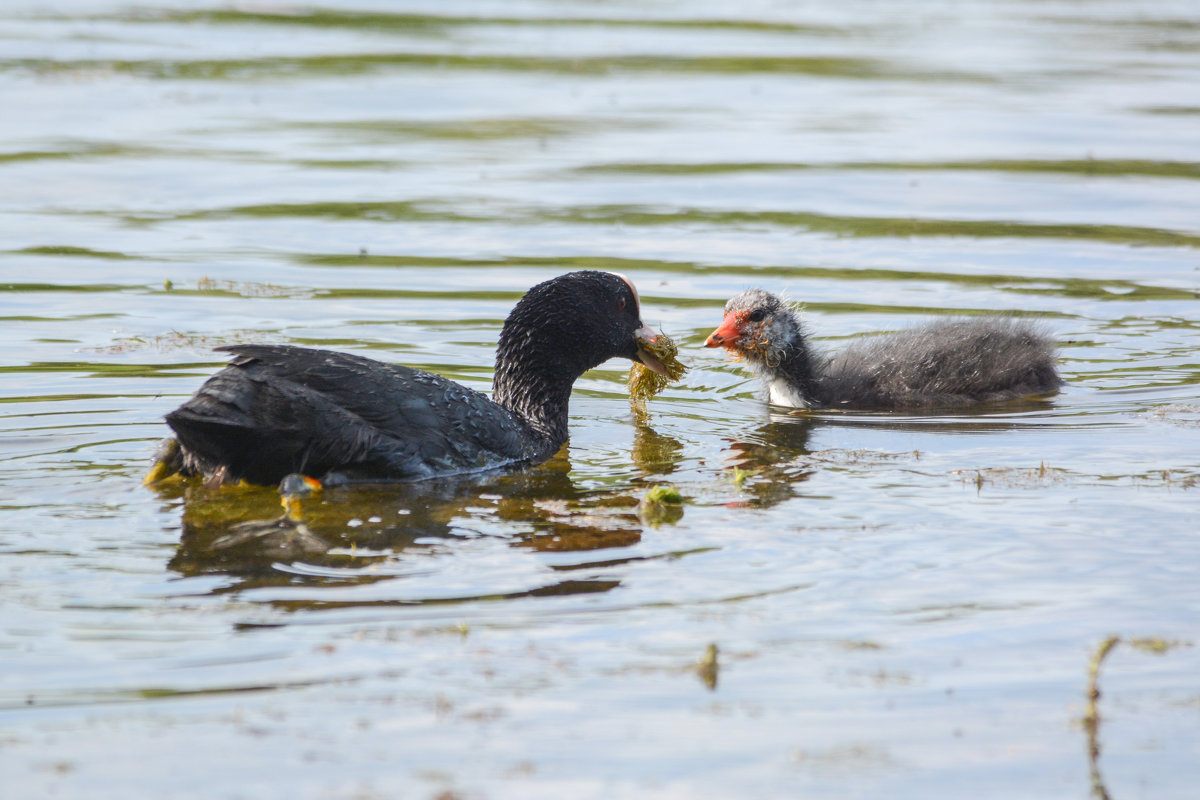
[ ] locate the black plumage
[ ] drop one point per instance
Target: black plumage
(944, 364)
(276, 410)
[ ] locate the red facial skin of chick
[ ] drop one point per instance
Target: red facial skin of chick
(733, 330)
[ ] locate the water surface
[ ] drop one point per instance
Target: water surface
(902, 605)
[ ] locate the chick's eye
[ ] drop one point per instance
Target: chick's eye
(757, 315)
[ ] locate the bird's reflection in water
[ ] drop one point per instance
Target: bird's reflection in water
(339, 533)
(243, 531)
(594, 521)
(768, 463)
(654, 453)
(601, 522)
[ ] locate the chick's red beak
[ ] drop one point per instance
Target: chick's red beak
(727, 333)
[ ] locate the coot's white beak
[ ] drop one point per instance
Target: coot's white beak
(645, 336)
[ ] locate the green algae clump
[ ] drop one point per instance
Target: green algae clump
(644, 382)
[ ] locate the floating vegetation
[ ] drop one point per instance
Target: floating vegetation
(708, 668)
(179, 340)
(739, 475)
(1013, 477)
(1091, 714)
(244, 288)
(661, 504)
(1042, 475)
(644, 382)
(663, 494)
(172, 340)
(860, 457)
(1186, 415)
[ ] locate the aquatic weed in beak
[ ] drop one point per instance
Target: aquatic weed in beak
(644, 382)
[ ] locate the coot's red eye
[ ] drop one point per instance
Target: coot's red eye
(620, 303)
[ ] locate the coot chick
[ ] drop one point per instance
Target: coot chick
(276, 410)
(943, 364)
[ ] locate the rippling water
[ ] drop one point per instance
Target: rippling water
(903, 606)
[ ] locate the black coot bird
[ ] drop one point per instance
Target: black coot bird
(944, 364)
(277, 410)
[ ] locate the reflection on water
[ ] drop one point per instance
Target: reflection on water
(654, 453)
(769, 465)
(338, 534)
(772, 462)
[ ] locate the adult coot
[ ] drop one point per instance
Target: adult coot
(276, 410)
(940, 365)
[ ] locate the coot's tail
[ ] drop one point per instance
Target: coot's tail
(240, 427)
